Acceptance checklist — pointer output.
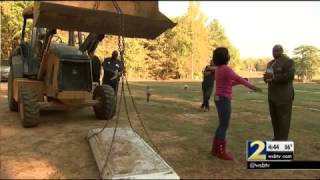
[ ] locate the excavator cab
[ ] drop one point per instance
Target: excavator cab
(47, 73)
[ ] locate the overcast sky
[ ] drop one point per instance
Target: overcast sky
(254, 27)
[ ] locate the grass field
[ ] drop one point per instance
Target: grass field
(183, 133)
(58, 149)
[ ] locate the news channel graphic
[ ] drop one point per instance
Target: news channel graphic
(275, 155)
(270, 150)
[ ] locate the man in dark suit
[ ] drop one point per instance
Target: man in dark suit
(279, 76)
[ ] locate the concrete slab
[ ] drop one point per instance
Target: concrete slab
(131, 157)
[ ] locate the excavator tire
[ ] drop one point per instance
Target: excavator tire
(28, 107)
(105, 109)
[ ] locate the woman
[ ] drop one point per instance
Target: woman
(225, 78)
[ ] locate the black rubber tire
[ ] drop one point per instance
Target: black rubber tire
(29, 108)
(13, 105)
(105, 94)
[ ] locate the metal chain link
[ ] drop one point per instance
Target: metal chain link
(127, 111)
(121, 47)
(121, 96)
(141, 121)
(115, 129)
(95, 6)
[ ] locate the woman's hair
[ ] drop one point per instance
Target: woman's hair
(220, 56)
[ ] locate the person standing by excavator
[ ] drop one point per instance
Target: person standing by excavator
(96, 68)
(113, 70)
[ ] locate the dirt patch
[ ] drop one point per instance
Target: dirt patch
(7, 132)
(27, 168)
(57, 148)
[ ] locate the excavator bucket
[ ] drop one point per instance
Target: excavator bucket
(141, 19)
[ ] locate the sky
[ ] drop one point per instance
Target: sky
(254, 27)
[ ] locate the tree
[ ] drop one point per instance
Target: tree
(254, 64)
(11, 25)
(135, 58)
(178, 53)
(218, 38)
(106, 46)
(160, 58)
(182, 51)
(249, 64)
(307, 61)
(200, 49)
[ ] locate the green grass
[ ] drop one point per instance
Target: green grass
(183, 133)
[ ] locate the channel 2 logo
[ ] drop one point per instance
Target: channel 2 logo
(256, 150)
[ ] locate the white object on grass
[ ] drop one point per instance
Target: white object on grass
(131, 157)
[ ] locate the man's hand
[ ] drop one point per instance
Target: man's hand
(257, 89)
(267, 77)
(116, 75)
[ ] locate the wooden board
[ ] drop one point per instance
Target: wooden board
(131, 157)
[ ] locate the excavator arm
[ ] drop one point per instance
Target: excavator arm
(91, 42)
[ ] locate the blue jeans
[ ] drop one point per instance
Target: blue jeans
(223, 105)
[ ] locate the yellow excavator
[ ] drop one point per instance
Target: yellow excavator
(46, 73)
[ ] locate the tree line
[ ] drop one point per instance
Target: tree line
(179, 53)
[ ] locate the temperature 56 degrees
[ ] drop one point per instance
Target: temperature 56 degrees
(288, 146)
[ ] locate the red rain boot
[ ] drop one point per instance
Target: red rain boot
(219, 149)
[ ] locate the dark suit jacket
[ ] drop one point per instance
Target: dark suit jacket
(280, 89)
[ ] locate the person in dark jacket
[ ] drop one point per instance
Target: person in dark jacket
(96, 68)
(207, 86)
(113, 69)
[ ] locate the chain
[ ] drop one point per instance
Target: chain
(121, 47)
(115, 129)
(121, 94)
(127, 112)
(121, 41)
(141, 121)
(95, 6)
